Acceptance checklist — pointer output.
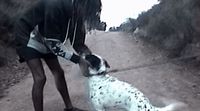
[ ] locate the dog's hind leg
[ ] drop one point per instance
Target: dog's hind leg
(100, 109)
(133, 108)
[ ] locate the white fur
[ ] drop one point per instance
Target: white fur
(106, 91)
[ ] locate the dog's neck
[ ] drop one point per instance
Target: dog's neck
(97, 78)
(97, 75)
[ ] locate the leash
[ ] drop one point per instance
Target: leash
(152, 64)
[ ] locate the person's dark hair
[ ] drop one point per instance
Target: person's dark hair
(91, 8)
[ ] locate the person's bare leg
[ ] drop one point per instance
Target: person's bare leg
(39, 79)
(60, 81)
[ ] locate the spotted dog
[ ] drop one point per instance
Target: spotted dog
(106, 91)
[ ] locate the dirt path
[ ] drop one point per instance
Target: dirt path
(162, 84)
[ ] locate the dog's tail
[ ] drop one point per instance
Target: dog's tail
(173, 107)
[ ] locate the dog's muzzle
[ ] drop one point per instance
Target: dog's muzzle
(102, 73)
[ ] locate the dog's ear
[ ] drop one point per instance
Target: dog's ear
(106, 63)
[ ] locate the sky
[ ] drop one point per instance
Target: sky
(115, 12)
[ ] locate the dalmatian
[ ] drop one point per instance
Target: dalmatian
(107, 92)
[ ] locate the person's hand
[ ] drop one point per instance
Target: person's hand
(84, 50)
(84, 66)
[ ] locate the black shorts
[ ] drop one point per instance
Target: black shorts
(28, 53)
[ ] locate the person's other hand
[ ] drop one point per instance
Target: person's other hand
(84, 50)
(84, 66)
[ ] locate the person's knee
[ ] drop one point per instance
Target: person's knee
(58, 72)
(40, 80)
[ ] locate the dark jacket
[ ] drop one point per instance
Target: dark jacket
(52, 17)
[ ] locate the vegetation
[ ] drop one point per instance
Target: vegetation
(9, 11)
(128, 26)
(171, 25)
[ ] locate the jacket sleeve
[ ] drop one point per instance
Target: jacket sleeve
(26, 23)
(59, 49)
(79, 43)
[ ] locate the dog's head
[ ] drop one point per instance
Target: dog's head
(98, 65)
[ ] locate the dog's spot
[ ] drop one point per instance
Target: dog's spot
(135, 94)
(120, 95)
(112, 80)
(126, 104)
(91, 96)
(100, 87)
(129, 98)
(99, 101)
(101, 93)
(140, 101)
(118, 102)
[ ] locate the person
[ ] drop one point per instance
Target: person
(40, 33)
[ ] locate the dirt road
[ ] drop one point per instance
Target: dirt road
(161, 84)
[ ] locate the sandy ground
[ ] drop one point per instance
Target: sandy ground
(161, 84)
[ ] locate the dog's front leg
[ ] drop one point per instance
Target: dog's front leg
(100, 109)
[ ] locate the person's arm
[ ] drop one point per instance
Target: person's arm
(26, 23)
(59, 49)
(79, 43)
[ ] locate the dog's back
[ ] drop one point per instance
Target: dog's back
(107, 91)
